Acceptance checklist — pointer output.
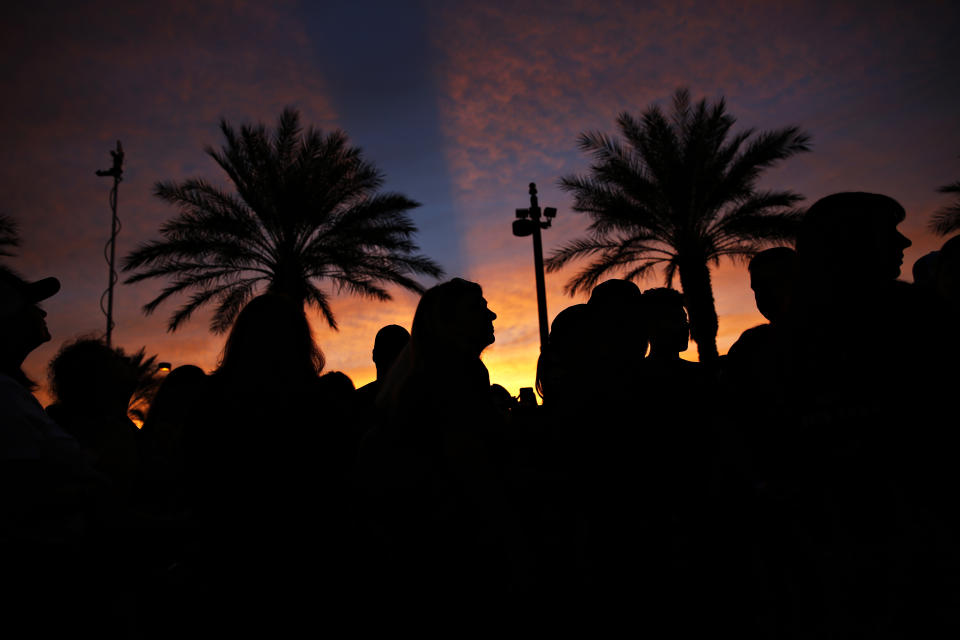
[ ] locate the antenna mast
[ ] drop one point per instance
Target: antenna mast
(115, 172)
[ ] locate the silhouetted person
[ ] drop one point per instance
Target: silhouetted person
(92, 385)
(619, 308)
(940, 375)
(752, 365)
(175, 404)
(502, 400)
(754, 372)
(774, 277)
(586, 539)
(337, 383)
(851, 469)
(571, 458)
(24, 325)
(691, 467)
(614, 293)
(387, 346)
(433, 472)
(46, 483)
(947, 278)
(620, 335)
(567, 367)
(266, 472)
(850, 254)
(669, 330)
(163, 498)
(337, 392)
(925, 270)
(594, 352)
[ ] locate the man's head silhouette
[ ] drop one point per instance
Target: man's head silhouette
(773, 274)
(853, 237)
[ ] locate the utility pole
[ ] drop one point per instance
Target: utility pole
(528, 222)
(115, 172)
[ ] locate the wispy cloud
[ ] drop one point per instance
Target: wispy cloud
(516, 82)
(521, 80)
(158, 77)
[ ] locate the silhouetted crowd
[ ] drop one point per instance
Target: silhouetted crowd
(802, 486)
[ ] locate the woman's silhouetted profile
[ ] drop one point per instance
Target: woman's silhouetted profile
(434, 471)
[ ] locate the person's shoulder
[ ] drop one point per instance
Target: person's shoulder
(757, 333)
(371, 388)
(24, 425)
(9, 386)
(17, 400)
(752, 339)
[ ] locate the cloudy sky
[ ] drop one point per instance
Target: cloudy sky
(461, 105)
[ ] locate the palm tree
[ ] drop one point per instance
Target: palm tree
(947, 220)
(679, 192)
(306, 210)
(148, 382)
(9, 235)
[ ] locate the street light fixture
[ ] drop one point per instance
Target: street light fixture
(528, 223)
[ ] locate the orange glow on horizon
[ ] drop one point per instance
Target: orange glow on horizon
(488, 115)
(511, 359)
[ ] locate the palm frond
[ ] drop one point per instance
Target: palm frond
(765, 150)
(641, 270)
(946, 220)
(603, 265)
(9, 235)
(677, 190)
(148, 381)
(670, 273)
(761, 216)
(318, 299)
(762, 227)
(285, 137)
(229, 303)
(577, 249)
(202, 297)
(305, 210)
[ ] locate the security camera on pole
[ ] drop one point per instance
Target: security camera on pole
(528, 222)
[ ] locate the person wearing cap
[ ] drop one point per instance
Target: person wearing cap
(25, 429)
(23, 327)
(45, 481)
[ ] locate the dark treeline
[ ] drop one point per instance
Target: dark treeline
(802, 486)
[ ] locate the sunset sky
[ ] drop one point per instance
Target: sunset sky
(461, 105)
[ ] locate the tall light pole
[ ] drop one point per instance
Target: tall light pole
(115, 172)
(528, 222)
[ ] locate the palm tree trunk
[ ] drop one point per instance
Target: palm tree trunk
(698, 296)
